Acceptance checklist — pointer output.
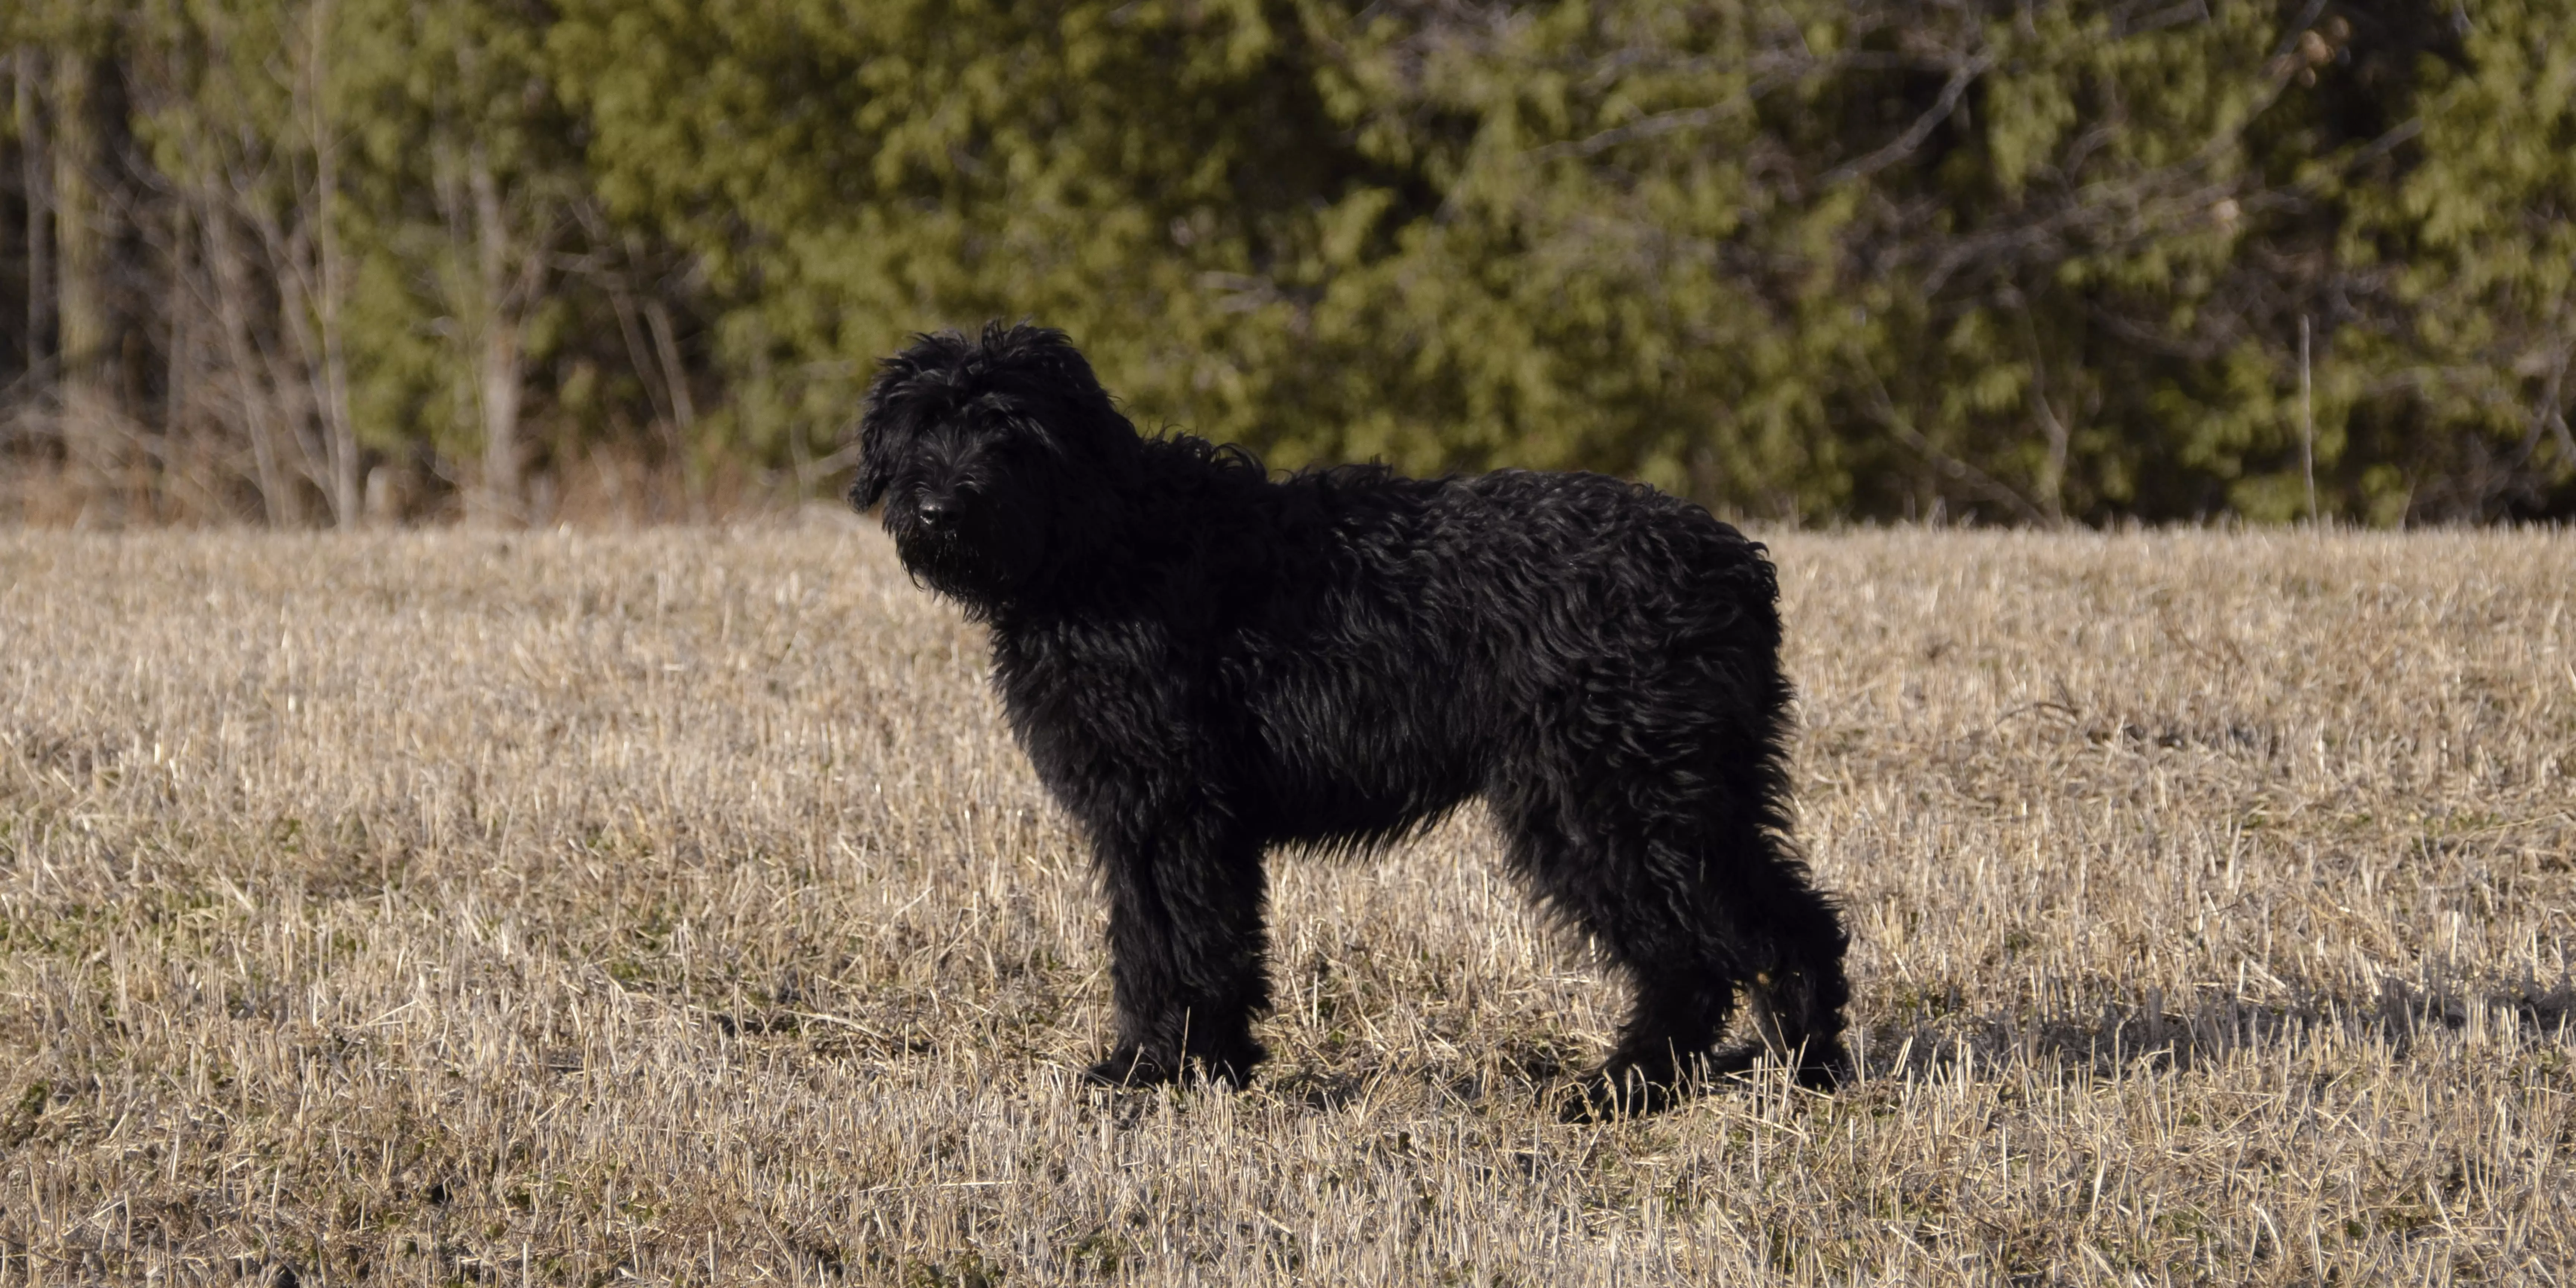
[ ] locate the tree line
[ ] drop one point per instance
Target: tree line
(318, 262)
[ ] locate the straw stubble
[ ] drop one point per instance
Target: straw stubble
(672, 905)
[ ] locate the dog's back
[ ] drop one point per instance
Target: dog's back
(1425, 638)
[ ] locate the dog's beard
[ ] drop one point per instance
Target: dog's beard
(953, 565)
(990, 539)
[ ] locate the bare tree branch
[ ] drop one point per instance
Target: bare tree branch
(1905, 144)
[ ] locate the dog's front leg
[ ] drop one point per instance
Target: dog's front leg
(1186, 949)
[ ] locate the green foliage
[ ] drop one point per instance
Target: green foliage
(2477, 241)
(1142, 175)
(1798, 258)
(436, 97)
(2025, 263)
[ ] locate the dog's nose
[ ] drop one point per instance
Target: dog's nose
(931, 514)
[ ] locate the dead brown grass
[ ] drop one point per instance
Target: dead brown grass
(672, 906)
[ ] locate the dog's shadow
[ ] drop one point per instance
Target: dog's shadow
(1518, 1070)
(1322, 1093)
(2154, 1035)
(2158, 1033)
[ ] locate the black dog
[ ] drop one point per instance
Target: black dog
(1204, 662)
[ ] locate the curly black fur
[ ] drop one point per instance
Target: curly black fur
(1204, 662)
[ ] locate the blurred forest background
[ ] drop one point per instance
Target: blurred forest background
(328, 262)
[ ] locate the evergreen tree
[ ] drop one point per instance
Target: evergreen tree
(2026, 263)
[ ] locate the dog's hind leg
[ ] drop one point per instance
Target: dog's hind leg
(1795, 941)
(1646, 915)
(1187, 961)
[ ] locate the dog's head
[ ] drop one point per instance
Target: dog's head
(980, 449)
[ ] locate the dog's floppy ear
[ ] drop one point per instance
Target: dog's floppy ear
(876, 471)
(1046, 381)
(902, 384)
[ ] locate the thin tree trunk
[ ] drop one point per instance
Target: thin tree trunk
(498, 357)
(32, 155)
(183, 460)
(340, 443)
(259, 414)
(294, 375)
(497, 386)
(2052, 477)
(665, 381)
(647, 372)
(674, 376)
(89, 414)
(2053, 431)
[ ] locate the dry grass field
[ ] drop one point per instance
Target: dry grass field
(672, 907)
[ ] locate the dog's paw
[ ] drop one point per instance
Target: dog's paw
(1605, 1098)
(1231, 1064)
(1631, 1084)
(1131, 1067)
(1137, 1067)
(1814, 1066)
(1824, 1068)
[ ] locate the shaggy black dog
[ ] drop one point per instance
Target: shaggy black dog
(1204, 662)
